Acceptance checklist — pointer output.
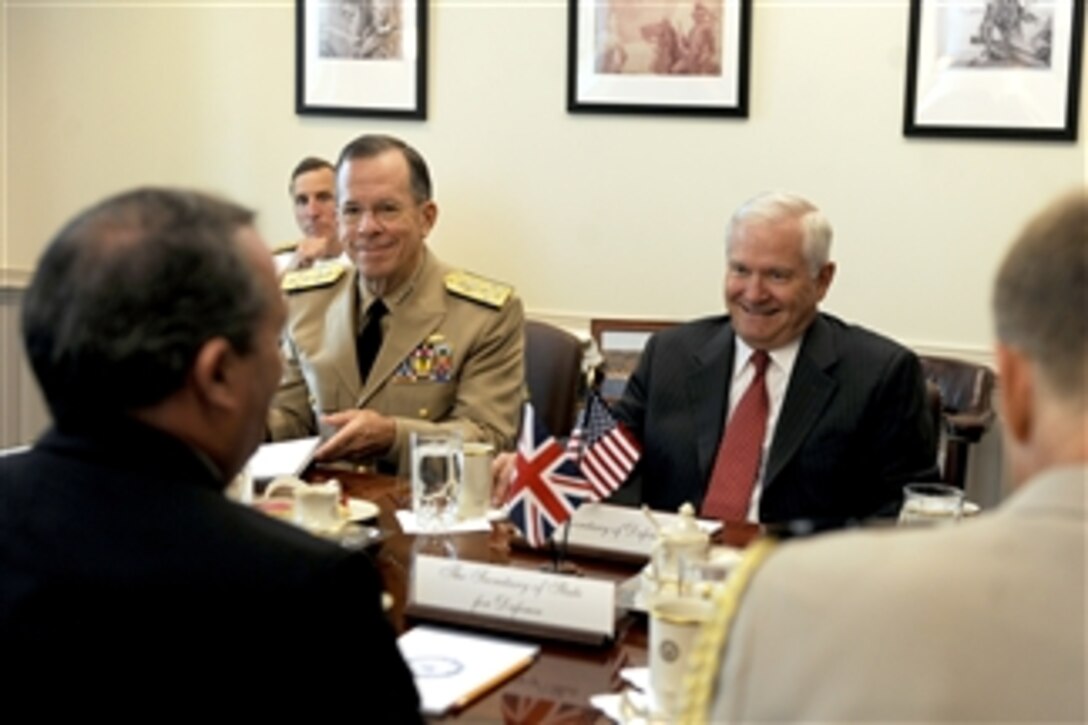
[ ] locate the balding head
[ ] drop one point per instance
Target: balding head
(1040, 300)
(1040, 306)
(125, 295)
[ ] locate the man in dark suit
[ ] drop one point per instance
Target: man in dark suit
(982, 621)
(129, 583)
(844, 422)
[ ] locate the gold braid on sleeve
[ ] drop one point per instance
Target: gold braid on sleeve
(702, 671)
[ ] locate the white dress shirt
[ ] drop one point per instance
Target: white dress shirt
(777, 379)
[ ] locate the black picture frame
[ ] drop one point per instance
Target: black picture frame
(353, 60)
(660, 58)
(997, 69)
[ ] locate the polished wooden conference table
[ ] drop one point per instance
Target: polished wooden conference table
(561, 680)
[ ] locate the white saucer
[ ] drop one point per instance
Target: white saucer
(355, 510)
(362, 510)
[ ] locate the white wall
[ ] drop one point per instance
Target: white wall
(587, 215)
(23, 414)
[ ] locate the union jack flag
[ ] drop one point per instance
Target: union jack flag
(547, 485)
(604, 449)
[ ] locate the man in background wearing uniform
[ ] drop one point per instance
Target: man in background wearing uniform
(980, 621)
(129, 583)
(313, 198)
(401, 342)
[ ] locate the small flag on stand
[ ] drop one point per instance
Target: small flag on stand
(606, 451)
(547, 485)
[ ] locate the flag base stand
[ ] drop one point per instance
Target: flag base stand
(562, 567)
(559, 563)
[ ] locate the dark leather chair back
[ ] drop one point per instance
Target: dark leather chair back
(966, 409)
(936, 412)
(617, 364)
(553, 374)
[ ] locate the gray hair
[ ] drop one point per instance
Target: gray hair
(775, 206)
(127, 293)
(1040, 295)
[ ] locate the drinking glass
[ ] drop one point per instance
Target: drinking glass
(929, 504)
(437, 474)
(476, 492)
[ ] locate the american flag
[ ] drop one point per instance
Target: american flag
(604, 449)
(547, 486)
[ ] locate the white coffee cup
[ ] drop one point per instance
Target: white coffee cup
(675, 623)
(476, 490)
(317, 506)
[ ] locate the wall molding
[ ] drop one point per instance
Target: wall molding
(12, 278)
(23, 414)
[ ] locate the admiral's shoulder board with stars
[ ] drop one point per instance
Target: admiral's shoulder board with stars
(478, 289)
(312, 278)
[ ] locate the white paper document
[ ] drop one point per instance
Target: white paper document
(640, 699)
(410, 525)
(453, 668)
(285, 458)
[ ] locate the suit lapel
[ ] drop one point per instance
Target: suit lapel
(709, 381)
(809, 391)
(413, 320)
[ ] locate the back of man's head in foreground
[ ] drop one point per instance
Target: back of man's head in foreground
(129, 292)
(1040, 306)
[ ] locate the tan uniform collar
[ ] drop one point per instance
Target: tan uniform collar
(397, 297)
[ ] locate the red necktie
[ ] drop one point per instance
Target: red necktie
(737, 464)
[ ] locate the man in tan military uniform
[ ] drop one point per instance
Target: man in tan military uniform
(451, 343)
(313, 199)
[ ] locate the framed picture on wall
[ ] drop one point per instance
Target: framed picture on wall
(361, 58)
(671, 57)
(1005, 69)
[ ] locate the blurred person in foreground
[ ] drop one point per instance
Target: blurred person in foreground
(312, 189)
(401, 342)
(980, 621)
(127, 578)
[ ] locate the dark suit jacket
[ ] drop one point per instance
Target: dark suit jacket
(854, 425)
(128, 581)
